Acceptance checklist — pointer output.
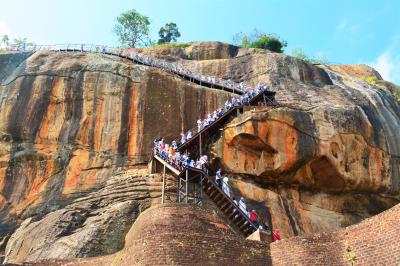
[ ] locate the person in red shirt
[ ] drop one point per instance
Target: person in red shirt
(276, 235)
(254, 219)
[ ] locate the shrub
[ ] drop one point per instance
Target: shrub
(257, 39)
(269, 42)
(180, 45)
(371, 79)
(302, 55)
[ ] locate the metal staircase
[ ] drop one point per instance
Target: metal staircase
(207, 185)
(193, 183)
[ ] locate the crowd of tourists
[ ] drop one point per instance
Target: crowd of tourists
(171, 154)
(182, 70)
(214, 116)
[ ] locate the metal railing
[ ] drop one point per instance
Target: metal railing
(141, 58)
(195, 130)
(179, 172)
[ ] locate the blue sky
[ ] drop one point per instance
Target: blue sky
(343, 31)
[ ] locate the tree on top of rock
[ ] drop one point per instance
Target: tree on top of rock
(169, 33)
(5, 40)
(132, 29)
(269, 42)
(261, 40)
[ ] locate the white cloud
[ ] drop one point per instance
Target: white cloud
(345, 26)
(384, 65)
(388, 62)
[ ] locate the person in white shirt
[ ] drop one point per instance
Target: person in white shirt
(242, 206)
(234, 209)
(199, 125)
(215, 115)
(218, 173)
(183, 138)
(189, 135)
(225, 186)
(218, 180)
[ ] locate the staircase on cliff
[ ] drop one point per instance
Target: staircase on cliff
(197, 178)
(193, 183)
(202, 182)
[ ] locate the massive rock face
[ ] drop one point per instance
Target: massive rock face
(70, 120)
(326, 157)
(92, 225)
(330, 133)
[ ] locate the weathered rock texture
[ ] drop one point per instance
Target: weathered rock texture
(182, 235)
(68, 121)
(204, 240)
(326, 157)
(92, 225)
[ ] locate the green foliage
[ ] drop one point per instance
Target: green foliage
(242, 40)
(179, 45)
(302, 55)
(350, 255)
(21, 43)
(169, 33)
(5, 40)
(396, 95)
(257, 39)
(132, 29)
(269, 42)
(393, 89)
(371, 79)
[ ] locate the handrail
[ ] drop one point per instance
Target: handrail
(212, 182)
(230, 200)
(170, 167)
(227, 113)
(138, 58)
(195, 135)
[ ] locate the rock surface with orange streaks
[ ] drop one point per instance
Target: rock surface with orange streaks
(334, 137)
(68, 121)
(326, 157)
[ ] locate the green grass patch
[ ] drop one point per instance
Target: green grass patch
(179, 45)
(384, 85)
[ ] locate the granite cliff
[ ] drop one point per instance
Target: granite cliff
(327, 156)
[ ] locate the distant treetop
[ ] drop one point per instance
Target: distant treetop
(132, 29)
(169, 33)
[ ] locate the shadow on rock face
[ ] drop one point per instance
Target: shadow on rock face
(326, 175)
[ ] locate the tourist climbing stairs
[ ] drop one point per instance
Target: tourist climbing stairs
(208, 186)
(198, 137)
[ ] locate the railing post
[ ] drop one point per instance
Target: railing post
(179, 189)
(201, 188)
(200, 145)
(187, 187)
(163, 186)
